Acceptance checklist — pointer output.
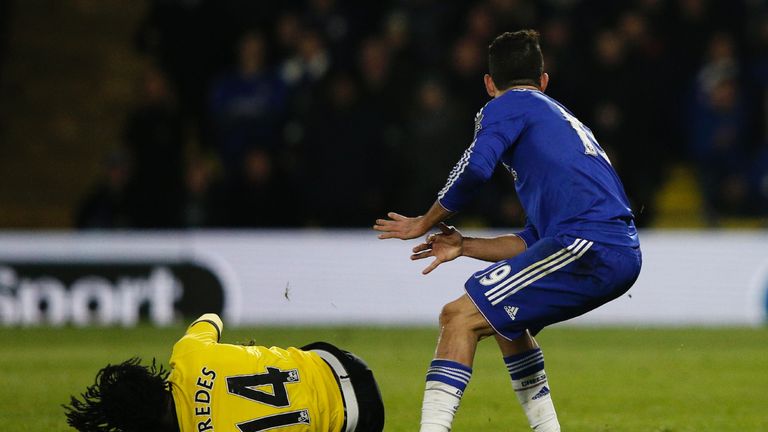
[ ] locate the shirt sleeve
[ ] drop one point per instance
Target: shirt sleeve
(478, 163)
(206, 328)
(529, 235)
(203, 332)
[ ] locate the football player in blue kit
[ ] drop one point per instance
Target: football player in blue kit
(578, 250)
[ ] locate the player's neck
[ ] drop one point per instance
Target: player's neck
(517, 87)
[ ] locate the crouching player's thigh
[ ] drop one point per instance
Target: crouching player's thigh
(556, 279)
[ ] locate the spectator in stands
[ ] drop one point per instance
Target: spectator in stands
(154, 140)
(204, 199)
(438, 136)
(288, 34)
(481, 25)
(256, 201)
(615, 109)
(330, 77)
(305, 70)
(758, 181)
(562, 61)
(376, 70)
(4, 14)
(247, 106)
(759, 79)
(310, 62)
(396, 38)
(384, 87)
(106, 206)
(719, 132)
(467, 63)
(514, 14)
(430, 21)
(343, 147)
(332, 22)
(176, 36)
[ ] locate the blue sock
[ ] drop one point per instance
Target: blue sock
(524, 364)
(449, 372)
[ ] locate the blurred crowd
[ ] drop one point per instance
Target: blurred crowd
(332, 112)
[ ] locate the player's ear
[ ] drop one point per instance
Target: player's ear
(490, 87)
(544, 81)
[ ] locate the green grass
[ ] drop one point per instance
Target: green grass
(643, 380)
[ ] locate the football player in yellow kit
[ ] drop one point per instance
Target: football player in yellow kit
(216, 387)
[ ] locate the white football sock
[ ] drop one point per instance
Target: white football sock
(446, 382)
(531, 388)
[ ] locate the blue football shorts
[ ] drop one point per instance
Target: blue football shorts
(556, 279)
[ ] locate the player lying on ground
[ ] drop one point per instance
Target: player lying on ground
(578, 250)
(221, 387)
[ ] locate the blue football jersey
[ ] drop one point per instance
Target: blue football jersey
(564, 179)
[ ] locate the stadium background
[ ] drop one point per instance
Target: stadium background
(161, 158)
(183, 114)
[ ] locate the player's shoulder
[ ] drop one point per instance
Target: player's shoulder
(513, 103)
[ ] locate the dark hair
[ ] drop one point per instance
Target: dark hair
(127, 397)
(514, 58)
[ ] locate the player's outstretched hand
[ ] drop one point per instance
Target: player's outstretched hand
(445, 246)
(400, 227)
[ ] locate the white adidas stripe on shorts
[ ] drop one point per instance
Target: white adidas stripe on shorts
(537, 270)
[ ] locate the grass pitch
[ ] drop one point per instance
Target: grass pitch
(629, 380)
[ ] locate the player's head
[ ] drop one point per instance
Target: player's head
(515, 59)
(127, 397)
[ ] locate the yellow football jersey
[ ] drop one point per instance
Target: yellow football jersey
(221, 387)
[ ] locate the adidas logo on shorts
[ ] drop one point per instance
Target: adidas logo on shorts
(511, 311)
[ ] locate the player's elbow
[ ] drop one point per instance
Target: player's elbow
(480, 171)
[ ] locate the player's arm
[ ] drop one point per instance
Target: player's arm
(495, 248)
(202, 333)
(529, 235)
(406, 228)
(478, 164)
(450, 244)
(208, 327)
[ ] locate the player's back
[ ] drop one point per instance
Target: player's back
(219, 387)
(563, 177)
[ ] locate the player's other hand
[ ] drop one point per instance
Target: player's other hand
(400, 227)
(445, 246)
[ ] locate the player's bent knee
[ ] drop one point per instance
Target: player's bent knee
(462, 315)
(452, 313)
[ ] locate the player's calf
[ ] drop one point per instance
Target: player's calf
(461, 326)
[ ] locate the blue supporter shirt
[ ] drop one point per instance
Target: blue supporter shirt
(563, 178)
